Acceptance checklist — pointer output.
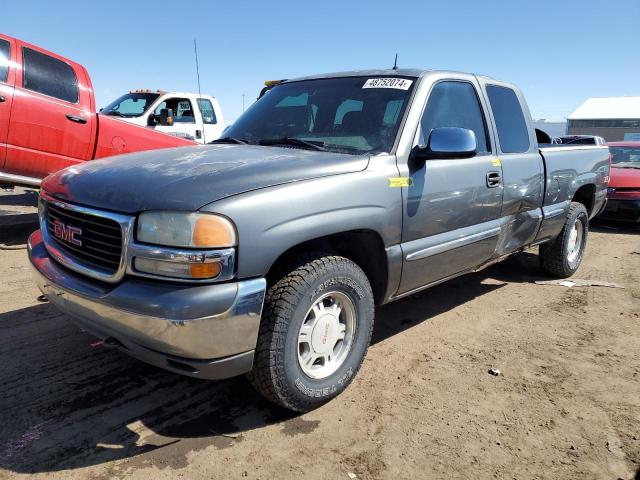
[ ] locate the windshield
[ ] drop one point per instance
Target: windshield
(625, 157)
(130, 105)
(353, 114)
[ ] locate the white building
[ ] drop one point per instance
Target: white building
(614, 118)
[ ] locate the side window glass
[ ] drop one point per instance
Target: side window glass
(206, 109)
(345, 108)
(4, 60)
(181, 107)
(49, 76)
(293, 101)
(294, 112)
(512, 127)
(391, 112)
(454, 104)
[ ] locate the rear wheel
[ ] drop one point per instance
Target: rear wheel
(314, 334)
(562, 257)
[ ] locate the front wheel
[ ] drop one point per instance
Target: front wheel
(562, 257)
(314, 334)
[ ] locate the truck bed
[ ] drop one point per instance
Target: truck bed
(571, 172)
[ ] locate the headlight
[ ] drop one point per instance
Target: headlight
(197, 232)
(191, 230)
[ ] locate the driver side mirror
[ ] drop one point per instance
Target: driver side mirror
(447, 142)
(166, 117)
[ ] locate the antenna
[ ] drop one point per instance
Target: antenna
(195, 49)
(395, 63)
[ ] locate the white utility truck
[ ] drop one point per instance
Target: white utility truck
(189, 115)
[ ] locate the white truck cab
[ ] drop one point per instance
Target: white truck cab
(189, 115)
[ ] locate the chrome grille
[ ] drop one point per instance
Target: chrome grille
(108, 249)
(98, 245)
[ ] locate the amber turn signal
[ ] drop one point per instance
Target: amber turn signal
(204, 270)
(213, 230)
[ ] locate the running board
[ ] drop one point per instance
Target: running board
(10, 178)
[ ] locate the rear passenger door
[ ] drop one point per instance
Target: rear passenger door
(211, 127)
(451, 210)
(522, 165)
(51, 120)
(7, 73)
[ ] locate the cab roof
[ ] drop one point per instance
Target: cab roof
(167, 92)
(389, 72)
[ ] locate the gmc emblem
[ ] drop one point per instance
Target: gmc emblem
(67, 233)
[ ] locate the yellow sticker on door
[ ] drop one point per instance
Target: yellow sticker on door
(399, 182)
(496, 162)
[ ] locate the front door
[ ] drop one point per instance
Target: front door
(451, 210)
(6, 95)
(185, 123)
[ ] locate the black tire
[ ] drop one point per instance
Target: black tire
(277, 373)
(554, 255)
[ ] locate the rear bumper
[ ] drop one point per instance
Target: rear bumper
(206, 331)
(621, 210)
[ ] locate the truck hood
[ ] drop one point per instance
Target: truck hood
(188, 178)
(624, 177)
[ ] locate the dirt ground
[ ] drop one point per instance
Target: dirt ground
(567, 405)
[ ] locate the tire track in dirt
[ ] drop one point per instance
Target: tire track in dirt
(74, 398)
(423, 404)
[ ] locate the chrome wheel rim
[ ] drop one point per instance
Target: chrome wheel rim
(326, 335)
(575, 241)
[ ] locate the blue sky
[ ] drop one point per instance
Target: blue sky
(558, 52)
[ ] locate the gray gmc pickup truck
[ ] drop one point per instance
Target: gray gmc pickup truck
(266, 252)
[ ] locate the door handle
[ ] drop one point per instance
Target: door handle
(2, 99)
(494, 179)
(73, 118)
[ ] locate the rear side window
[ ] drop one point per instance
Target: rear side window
(208, 114)
(454, 104)
(49, 76)
(512, 128)
(4, 60)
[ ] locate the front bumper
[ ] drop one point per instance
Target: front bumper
(620, 210)
(206, 331)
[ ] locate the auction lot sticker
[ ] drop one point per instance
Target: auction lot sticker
(397, 83)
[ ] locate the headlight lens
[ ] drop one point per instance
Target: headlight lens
(191, 230)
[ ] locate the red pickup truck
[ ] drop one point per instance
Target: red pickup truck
(623, 194)
(48, 118)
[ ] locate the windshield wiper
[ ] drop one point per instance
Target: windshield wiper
(295, 142)
(114, 113)
(237, 141)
